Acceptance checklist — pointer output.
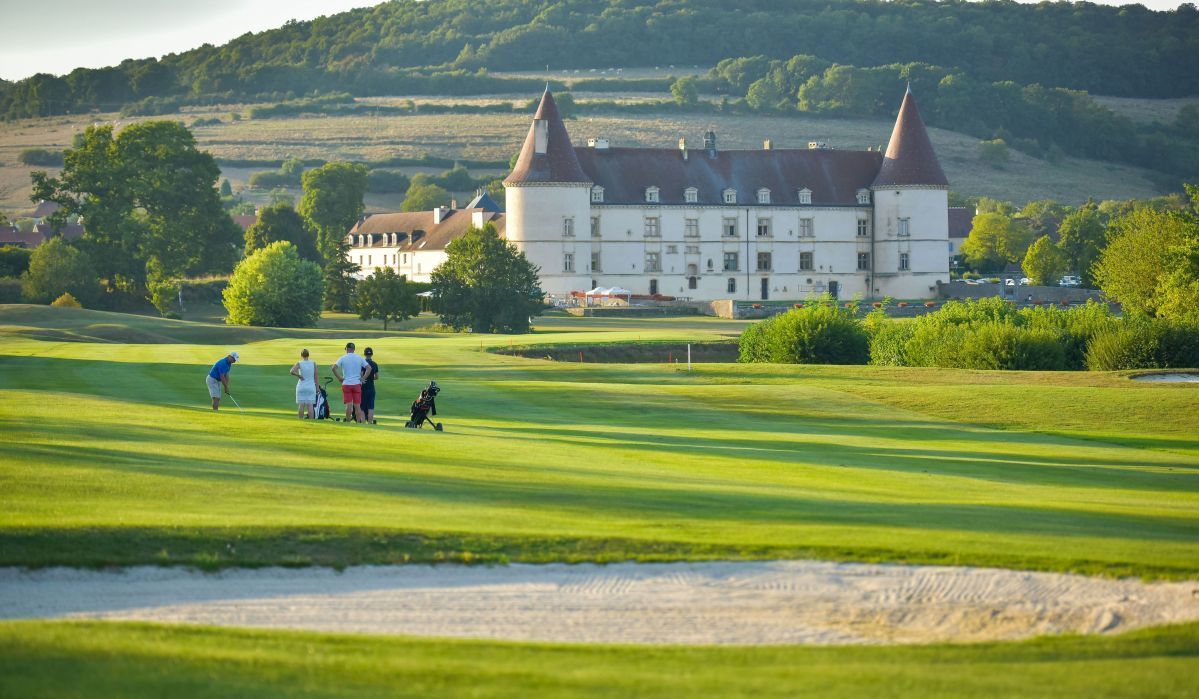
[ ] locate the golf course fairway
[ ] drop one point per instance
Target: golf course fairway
(113, 457)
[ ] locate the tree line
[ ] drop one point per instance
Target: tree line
(408, 46)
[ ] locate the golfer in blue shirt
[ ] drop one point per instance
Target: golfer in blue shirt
(218, 378)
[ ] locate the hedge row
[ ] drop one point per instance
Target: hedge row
(974, 334)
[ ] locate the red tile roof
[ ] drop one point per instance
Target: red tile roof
(417, 231)
(45, 208)
(910, 158)
(833, 176)
(558, 163)
(11, 235)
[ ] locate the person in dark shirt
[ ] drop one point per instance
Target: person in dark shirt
(368, 385)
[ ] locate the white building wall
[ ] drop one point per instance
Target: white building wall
(926, 242)
(536, 217)
(417, 265)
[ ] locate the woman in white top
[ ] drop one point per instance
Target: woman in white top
(305, 371)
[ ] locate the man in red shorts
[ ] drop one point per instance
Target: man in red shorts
(349, 370)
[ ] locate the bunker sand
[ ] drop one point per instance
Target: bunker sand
(724, 603)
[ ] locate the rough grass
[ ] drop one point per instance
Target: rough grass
(65, 659)
(1163, 111)
(112, 457)
(498, 136)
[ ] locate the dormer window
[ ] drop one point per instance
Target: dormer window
(730, 196)
(763, 196)
(597, 194)
(863, 196)
(691, 195)
(805, 196)
(651, 195)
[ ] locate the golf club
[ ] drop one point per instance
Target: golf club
(235, 402)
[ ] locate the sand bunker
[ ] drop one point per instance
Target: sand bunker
(780, 602)
(1168, 378)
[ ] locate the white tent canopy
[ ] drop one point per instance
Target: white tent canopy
(618, 291)
(597, 291)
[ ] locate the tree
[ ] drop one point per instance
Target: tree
(339, 278)
(424, 197)
(14, 261)
(281, 222)
(56, 268)
(386, 296)
(1044, 263)
(333, 202)
(274, 287)
(1142, 252)
(994, 241)
(226, 188)
(993, 153)
(1082, 235)
(684, 91)
(486, 284)
(150, 201)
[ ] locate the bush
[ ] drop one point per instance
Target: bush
(1144, 343)
(14, 261)
(56, 268)
(888, 340)
(819, 333)
(10, 290)
(1002, 345)
(66, 301)
(387, 182)
(274, 287)
(41, 156)
(1077, 327)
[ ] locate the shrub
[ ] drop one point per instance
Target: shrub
(56, 268)
(888, 341)
(10, 290)
(387, 182)
(274, 287)
(164, 294)
(1123, 348)
(1005, 345)
(1076, 326)
(41, 156)
(816, 334)
(66, 301)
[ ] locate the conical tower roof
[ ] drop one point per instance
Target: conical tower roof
(547, 156)
(910, 159)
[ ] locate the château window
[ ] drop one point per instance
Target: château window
(730, 262)
(732, 285)
(597, 194)
(653, 227)
(905, 226)
(805, 196)
(863, 196)
(691, 249)
(692, 282)
(863, 262)
(651, 195)
(863, 228)
(691, 195)
(807, 228)
(763, 196)
(568, 262)
(805, 261)
(763, 262)
(568, 227)
(730, 228)
(672, 249)
(595, 233)
(903, 262)
(691, 228)
(653, 287)
(595, 262)
(653, 262)
(730, 196)
(763, 228)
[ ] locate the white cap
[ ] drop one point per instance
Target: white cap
(235, 357)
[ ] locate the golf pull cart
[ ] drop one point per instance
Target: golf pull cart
(422, 406)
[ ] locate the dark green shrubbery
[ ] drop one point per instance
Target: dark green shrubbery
(14, 261)
(1144, 343)
(818, 333)
(10, 290)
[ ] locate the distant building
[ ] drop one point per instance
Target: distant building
(413, 243)
(961, 220)
(704, 223)
(42, 232)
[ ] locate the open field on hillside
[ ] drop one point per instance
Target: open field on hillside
(1147, 110)
(497, 136)
(570, 462)
(106, 659)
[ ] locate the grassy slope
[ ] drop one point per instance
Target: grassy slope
(111, 457)
(55, 659)
(497, 136)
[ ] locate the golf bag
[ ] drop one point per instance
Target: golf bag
(422, 406)
(322, 402)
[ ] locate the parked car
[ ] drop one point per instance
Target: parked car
(1070, 280)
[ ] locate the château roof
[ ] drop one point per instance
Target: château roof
(558, 163)
(910, 159)
(483, 201)
(416, 230)
(833, 176)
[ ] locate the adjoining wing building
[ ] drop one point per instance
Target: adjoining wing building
(707, 223)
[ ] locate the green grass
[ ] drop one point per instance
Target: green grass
(111, 456)
(57, 659)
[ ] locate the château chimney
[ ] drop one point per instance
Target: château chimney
(710, 143)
